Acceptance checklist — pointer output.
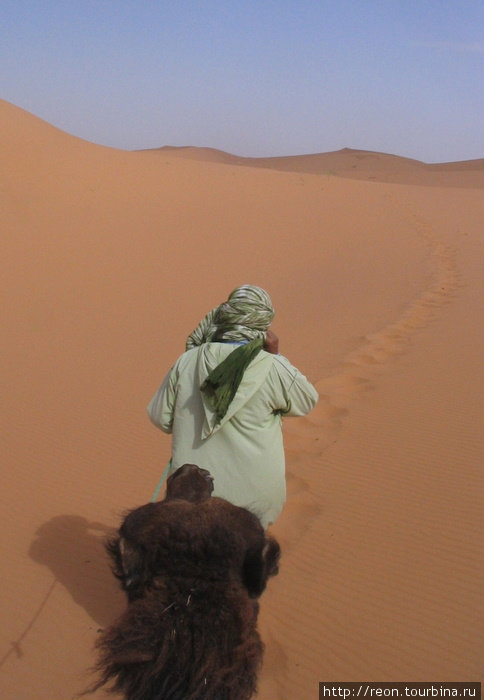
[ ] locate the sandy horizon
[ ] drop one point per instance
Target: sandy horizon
(111, 258)
(349, 163)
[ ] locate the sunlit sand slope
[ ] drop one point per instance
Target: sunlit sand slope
(110, 258)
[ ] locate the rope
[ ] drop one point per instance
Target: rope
(161, 482)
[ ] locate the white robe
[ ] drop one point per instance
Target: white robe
(244, 452)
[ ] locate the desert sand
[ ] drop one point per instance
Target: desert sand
(352, 163)
(110, 258)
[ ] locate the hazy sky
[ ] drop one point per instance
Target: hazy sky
(253, 77)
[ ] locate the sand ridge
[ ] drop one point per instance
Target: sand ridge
(111, 258)
(351, 163)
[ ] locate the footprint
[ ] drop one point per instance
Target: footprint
(352, 378)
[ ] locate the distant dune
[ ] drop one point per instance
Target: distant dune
(110, 258)
(354, 164)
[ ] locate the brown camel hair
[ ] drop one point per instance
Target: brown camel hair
(192, 571)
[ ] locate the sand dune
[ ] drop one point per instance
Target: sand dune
(110, 259)
(354, 164)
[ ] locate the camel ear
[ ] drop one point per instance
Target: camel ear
(260, 563)
(128, 565)
(272, 555)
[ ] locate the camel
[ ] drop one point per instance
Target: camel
(193, 567)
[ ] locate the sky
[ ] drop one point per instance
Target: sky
(253, 77)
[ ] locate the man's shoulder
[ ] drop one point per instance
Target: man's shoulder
(185, 359)
(282, 361)
(282, 367)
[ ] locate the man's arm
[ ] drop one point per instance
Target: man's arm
(298, 396)
(301, 394)
(161, 408)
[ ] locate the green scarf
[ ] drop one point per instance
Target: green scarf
(222, 383)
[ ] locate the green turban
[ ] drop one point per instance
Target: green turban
(246, 315)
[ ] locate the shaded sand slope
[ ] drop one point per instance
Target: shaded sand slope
(110, 259)
(353, 163)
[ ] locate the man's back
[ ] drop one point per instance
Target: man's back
(244, 450)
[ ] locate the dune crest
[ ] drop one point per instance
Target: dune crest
(352, 163)
(110, 259)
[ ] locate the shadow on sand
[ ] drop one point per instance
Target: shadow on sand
(73, 549)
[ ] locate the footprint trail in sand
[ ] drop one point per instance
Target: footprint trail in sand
(358, 371)
(318, 565)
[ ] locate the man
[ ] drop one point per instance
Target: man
(224, 399)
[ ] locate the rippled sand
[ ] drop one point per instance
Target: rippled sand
(110, 259)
